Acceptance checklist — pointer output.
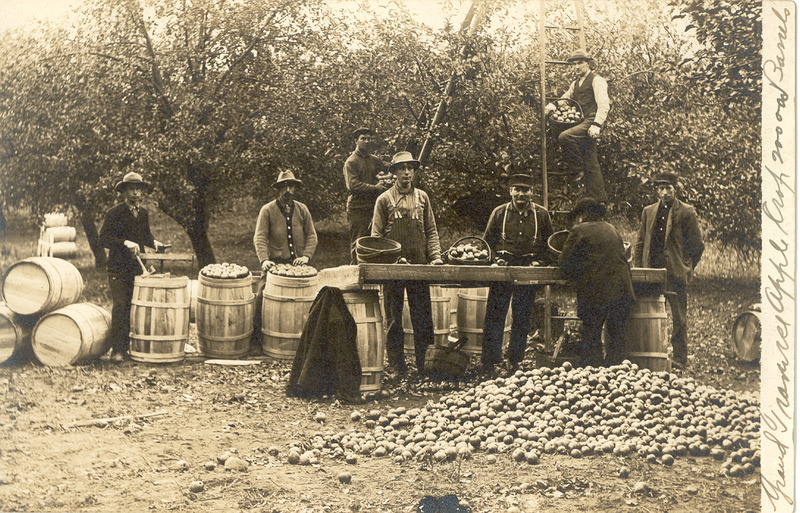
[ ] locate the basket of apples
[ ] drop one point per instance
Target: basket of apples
(469, 251)
(568, 113)
(293, 271)
(225, 271)
(385, 178)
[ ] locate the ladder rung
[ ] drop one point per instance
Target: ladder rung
(565, 317)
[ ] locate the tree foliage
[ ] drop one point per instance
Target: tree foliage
(210, 100)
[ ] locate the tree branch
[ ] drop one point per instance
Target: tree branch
(158, 82)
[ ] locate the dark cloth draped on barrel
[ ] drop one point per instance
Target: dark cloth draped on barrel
(120, 225)
(326, 360)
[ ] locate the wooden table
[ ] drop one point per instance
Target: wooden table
(167, 257)
(648, 282)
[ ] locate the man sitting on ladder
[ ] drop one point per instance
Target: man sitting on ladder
(579, 143)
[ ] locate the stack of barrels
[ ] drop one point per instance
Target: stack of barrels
(57, 238)
(41, 315)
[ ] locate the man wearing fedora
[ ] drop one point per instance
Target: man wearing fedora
(593, 259)
(669, 237)
(125, 233)
(579, 143)
(404, 214)
(360, 171)
(284, 234)
(517, 233)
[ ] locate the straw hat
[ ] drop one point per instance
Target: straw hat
(286, 178)
(401, 157)
(131, 179)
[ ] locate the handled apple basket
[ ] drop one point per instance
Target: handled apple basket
(449, 360)
(469, 251)
(565, 117)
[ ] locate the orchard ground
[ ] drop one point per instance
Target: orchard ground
(202, 411)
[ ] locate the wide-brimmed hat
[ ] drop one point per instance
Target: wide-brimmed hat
(520, 180)
(587, 206)
(580, 55)
(286, 178)
(132, 179)
(665, 179)
(401, 157)
(361, 131)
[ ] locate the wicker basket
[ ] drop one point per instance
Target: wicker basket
(476, 242)
(547, 360)
(563, 125)
(555, 243)
(450, 361)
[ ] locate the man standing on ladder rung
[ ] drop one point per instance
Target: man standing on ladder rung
(579, 143)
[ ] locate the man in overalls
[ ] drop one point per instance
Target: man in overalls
(404, 214)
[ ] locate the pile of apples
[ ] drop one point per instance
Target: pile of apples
(469, 252)
(225, 271)
(293, 271)
(566, 113)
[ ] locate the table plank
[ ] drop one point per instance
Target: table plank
(484, 274)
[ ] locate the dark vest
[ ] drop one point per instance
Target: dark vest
(584, 95)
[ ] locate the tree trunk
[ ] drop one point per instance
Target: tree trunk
(88, 215)
(198, 229)
(202, 247)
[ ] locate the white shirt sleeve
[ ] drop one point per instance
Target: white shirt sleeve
(600, 87)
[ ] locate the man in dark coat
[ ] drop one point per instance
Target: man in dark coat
(670, 237)
(593, 259)
(579, 143)
(125, 233)
(360, 177)
(517, 232)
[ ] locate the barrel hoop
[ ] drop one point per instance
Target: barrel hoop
(158, 338)
(278, 334)
(227, 302)
(240, 283)
(159, 304)
(246, 334)
(298, 299)
(371, 369)
(649, 355)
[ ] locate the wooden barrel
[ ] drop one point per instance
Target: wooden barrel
(287, 301)
(452, 292)
(365, 307)
(646, 334)
(55, 219)
(66, 249)
(38, 285)
(72, 335)
(471, 316)
(440, 315)
(15, 336)
(60, 234)
(225, 309)
(159, 318)
(193, 286)
(746, 339)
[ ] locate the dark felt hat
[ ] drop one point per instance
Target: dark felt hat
(520, 180)
(132, 179)
(665, 179)
(361, 131)
(580, 55)
(588, 206)
(286, 178)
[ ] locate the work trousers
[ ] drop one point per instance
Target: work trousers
(677, 304)
(419, 306)
(121, 287)
(360, 222)
(521, 298)
(580, 151)
(614, 315)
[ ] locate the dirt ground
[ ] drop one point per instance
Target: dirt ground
(195, 412)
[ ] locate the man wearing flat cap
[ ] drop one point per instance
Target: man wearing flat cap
(360, 177)
(284, 234)
(517, 233)
(579, 143)
(125, 233)
(593, 260)
(405, 214)
(670, 237)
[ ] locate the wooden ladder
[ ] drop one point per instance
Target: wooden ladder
(543, 28)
